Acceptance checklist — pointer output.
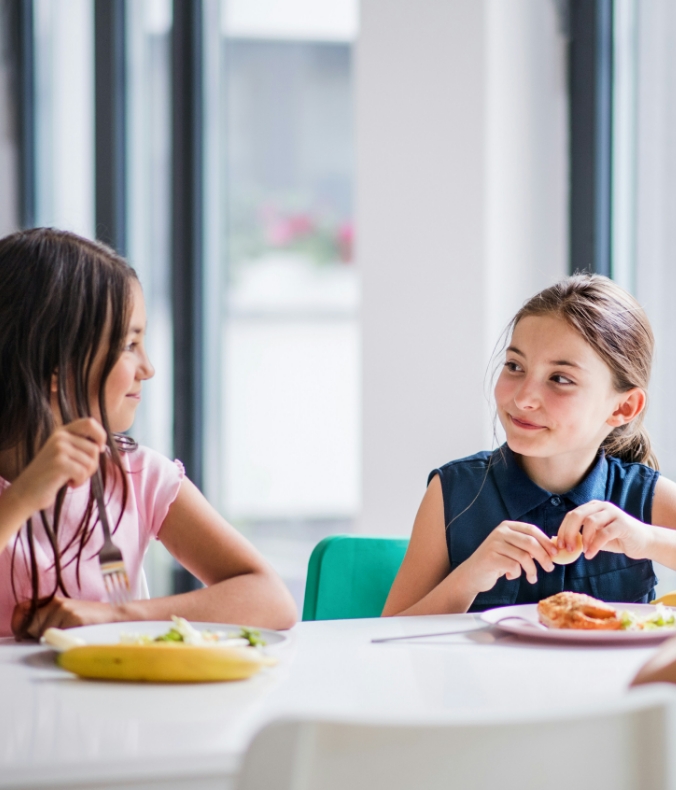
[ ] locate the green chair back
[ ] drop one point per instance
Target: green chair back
(350, 576)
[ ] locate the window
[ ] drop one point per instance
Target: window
(148, 79)
(279, 306)
(290, 349)
(64, 114)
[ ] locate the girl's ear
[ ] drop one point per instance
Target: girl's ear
(631, 405)
(54, 386)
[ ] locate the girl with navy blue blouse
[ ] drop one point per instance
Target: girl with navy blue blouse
(571, 397)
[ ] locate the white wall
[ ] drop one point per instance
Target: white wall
(655, 228)
(461, 211)
(655, 203)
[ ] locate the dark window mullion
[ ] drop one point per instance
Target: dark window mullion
(187, 215)
(22, 36)
(590, 92)
(110, 123)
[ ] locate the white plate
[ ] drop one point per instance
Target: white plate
(109, 633)
(505, 618)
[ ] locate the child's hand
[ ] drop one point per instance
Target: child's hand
(605, 527)
(510, 549)
(63, 613)
(69, 457)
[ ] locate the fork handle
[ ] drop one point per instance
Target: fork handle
(97, 487)
(426, 636)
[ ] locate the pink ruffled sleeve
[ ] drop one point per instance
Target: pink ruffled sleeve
(156, 481)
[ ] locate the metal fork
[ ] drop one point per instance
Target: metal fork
(471, 630)
(525, 620)
(114, 573)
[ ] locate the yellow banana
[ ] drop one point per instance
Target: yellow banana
(668, 599)
(163, 662)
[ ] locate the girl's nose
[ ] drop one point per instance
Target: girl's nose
(146, 369)
(527, 395)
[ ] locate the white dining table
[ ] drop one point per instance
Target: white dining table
(59, 731)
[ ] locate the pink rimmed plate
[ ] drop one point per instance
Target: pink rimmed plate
(522, 620)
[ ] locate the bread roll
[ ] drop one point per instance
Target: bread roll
(565, 557)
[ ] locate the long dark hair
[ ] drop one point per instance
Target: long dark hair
(617, 328)
(61, 296)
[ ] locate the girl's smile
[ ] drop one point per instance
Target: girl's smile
(528, 426)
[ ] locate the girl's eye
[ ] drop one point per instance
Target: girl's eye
(130, 346)
(513, 367)
(557, 378)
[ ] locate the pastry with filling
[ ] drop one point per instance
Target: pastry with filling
(578, 611)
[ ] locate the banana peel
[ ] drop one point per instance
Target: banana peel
(668, 599)
(163, 662)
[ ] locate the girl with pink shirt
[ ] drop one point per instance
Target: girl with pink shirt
(72, 365)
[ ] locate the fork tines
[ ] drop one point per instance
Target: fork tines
(116, 582)
(111, 561)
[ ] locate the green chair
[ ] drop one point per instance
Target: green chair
(350, 576)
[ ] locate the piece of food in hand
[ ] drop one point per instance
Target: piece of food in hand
(578, 611)
(163, 662)
(565, 557)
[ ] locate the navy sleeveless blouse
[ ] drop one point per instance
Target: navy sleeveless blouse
(488, 488)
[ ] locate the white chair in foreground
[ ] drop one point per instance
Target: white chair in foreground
(626, 745)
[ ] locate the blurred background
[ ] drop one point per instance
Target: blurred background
(335, 207)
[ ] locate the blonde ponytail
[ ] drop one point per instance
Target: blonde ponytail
(631, 443)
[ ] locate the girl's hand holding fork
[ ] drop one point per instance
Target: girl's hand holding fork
(69, 457)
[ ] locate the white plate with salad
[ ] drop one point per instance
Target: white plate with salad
(176, 630)
(641, 622)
